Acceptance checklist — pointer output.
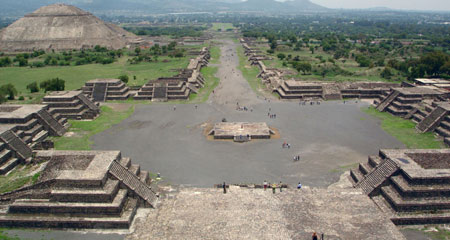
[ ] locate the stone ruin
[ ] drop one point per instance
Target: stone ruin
(80, 189)
(23, 128)
(71, 105)
(241, 131)
(101, 90)
(62, 27)
(291, 89)
(427, 106)
(409, 185)
(177, 87)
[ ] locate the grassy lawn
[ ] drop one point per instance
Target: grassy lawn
(223, 26)
(249, 72)
(215, 54)
(405, 131)
(84, 130)
(209, 73)
(18, 177)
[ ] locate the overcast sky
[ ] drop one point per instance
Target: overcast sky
(442, 5)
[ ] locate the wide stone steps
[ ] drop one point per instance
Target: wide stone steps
(387, 101)
(21, 148)
(9, 165)
(432, 120)
(88, 102)
(105, 194)
(123, 221)
(441, 217)
(57, 127)
(412, 204)
(375, 178)
(46, 206)
(133, 183)
(443, 132)
(99, 92)
(412, 190)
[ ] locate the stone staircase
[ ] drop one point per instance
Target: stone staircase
(133, 183)
(54, 126)
(432, 121)
(376, 177)
(99, 92)
(387, 101)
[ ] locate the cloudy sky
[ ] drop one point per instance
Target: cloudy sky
(396, 4)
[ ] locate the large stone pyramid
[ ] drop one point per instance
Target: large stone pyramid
(61, 27)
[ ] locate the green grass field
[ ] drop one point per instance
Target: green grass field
(209, 73)
(405, 131)
(215, 54)
(249, 72)
(223, 26)
(84, 130)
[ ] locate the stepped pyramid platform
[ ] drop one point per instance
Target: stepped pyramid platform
(71, 105)
(62, 27)
(292, 89)
(438, 119)
(80, 189)
(241, 131)
(24, 127)
(178, 87)
(101, 90)
(400, 101)
(411, 185)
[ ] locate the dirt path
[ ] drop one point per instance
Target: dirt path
(233, 87)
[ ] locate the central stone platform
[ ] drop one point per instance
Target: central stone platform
(241, 131)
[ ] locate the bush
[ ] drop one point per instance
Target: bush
(33, 87)
(54, 84)
(5, 62)
(124, 78)
(8, 90)
(21, 98)
(38, 64)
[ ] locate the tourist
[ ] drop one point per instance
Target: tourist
(281, 186)
(265, 185)
(299, 186)
(224, 188)
(195, 106)
(174, 108)
(274, 186)
(314, 236)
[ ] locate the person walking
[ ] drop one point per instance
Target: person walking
(299, 186)
(265, 185)
(281, 186)
(314, 236)
(274, 186)
(224, 188)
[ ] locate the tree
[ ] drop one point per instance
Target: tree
(386, 73)
(171, 46)
(8, 90)
(5, 62)
(304, 67)
(33, 87)
(311, 49)
(281, 56)
(137, 50)
(124, 78)
(55, 84)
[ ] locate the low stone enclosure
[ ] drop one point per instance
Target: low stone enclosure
(241, 131)
(412, 186)
(177, 87)
(79, 189)
(101, 90)
(71, 105)
(429, 107)
(23, 128)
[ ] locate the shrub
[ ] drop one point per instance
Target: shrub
(21, 98)
(8, 90)
(54, 84)
(33, 87)
(124, 78)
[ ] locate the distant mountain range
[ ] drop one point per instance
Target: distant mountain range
(21, 7)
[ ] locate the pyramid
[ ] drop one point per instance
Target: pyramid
(62, 27)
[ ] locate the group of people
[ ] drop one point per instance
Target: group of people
(297, 158)
(310, 103)
(274, 186)
(271, 115)
(286, 145)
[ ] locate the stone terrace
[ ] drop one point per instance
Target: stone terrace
(234, 130)
(249, 213)
(411, 186)
(22, 128)
(100, 90)
(71, 104)
(80, 189)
